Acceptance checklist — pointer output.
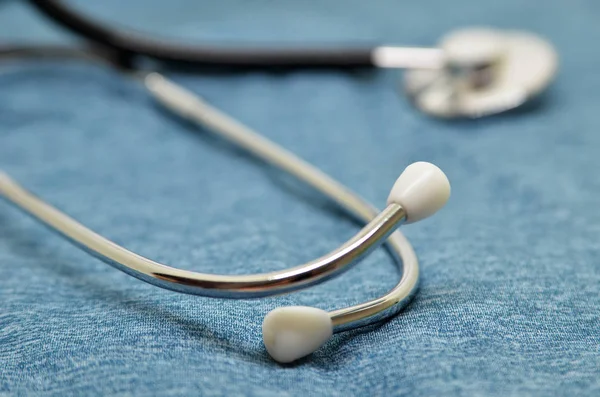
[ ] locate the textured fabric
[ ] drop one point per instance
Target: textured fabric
(509, 300)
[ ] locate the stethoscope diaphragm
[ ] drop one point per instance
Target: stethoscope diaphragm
(485, 72)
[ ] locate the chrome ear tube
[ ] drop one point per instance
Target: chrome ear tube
(421, 190)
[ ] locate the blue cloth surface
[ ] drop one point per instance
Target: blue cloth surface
(509, 300)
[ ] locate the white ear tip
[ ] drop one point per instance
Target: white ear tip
(422, 189)
(292, 332)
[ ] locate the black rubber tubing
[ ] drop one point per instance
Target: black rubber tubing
(131, 45)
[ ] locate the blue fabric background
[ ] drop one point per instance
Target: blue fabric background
(509, 302)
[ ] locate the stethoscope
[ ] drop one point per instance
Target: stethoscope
(495, 72)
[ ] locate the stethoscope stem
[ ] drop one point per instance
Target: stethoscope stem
(390, 57)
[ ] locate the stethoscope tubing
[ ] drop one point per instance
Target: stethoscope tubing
(131, 45)
(472, 73)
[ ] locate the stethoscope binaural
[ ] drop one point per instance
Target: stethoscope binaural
(447, 82)
(288, 332)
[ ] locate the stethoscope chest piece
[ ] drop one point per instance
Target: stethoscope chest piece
(485, 72)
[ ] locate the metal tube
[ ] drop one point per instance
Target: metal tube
(189, 282)
(190, 106)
